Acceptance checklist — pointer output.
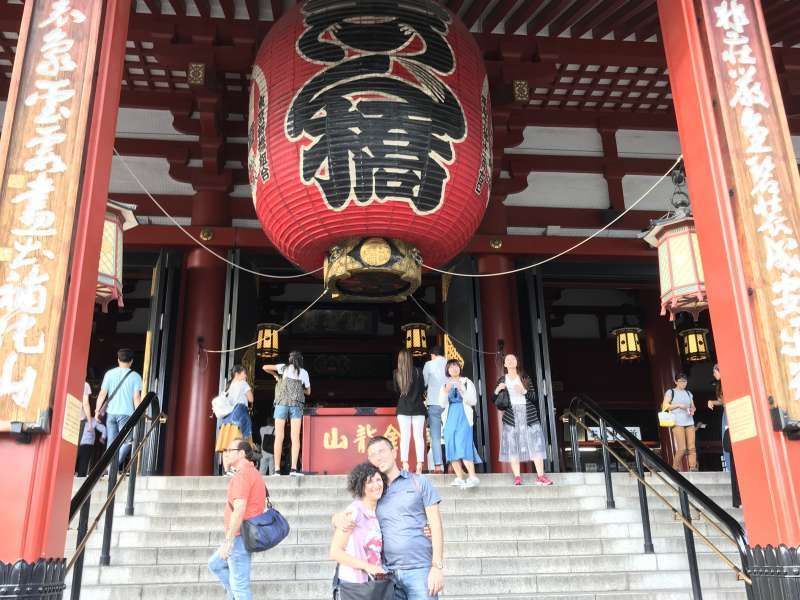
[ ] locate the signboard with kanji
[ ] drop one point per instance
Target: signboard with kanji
(335, 439)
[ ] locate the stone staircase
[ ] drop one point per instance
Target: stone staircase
(504, 542)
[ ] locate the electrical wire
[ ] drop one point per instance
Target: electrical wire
(284, 326)
(199, 242)
(443, 330)
(571, 248)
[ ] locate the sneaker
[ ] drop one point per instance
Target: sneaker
(472, 482)
(543, 480)
(517, 480)
(295, 473)
(276, 474)
(458, 482)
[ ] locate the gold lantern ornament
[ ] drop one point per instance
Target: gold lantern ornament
(683, 287)
(628, 345)
(695, 344)
(119, 218)
(267, 340)
(416, 338)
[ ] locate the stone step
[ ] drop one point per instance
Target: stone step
(144, 537)
(305, 507)
(453, 551)
(490, 568)
(701, 479)
(451, 520)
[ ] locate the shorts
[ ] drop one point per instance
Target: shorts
(288, 412)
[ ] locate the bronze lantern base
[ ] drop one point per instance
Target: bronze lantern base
(372, 270)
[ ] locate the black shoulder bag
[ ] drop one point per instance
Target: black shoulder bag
(502, 400)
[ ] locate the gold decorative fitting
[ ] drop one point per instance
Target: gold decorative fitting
(496, 243)
(522, 91)
(372, 269)
(206, 234)
(196, 74)
(375, 252)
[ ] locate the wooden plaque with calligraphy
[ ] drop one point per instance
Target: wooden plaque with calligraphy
(41, 155)
(767, 186)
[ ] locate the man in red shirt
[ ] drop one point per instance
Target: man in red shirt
(247, 496)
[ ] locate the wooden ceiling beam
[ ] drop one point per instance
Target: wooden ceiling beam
(546, 15)
(550, 245)
(593, 19)
(571, 16)
(497, 14)
(522, 15)
(473, 13)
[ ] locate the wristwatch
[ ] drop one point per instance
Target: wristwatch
(439, 565)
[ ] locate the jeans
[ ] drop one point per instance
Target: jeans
(287, 412)
(412, 584)
(234, 573)
(435, 423)
(114, 423)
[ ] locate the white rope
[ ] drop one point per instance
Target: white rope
(199, 242)
(571, 248)
(300, 314)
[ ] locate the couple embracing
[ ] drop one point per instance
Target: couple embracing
(380, 542)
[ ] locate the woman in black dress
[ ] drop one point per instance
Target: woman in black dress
(408, 383)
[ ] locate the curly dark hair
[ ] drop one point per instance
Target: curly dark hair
(358, 477)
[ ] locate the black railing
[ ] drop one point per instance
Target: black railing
(583, 407)
(148, 410)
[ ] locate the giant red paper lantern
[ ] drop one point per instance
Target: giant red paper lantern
(370, 140)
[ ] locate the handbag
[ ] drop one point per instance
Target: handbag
(374, 589)
(666, 419)
(502, 400)
(264, 531)
(221, 406)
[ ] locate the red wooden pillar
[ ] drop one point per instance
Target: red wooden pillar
(664, 360)
(768, 465)
(37, 484)
(498, 307)
(203, 314)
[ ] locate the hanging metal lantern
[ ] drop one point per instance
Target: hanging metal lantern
(267, 340)
(695, 344)
(119, 218)
(416, 338)
(370, 141)
(628, 346)
(680, 269)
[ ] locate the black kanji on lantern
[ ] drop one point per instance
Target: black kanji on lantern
(380, 119)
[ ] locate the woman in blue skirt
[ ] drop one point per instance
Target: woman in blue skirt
(458, 397)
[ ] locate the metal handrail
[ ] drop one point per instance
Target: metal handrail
(689, 495)
(81, 501)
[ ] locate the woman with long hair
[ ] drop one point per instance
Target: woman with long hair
(239, 397)
(408, 383)
(458, 398)
(357, 550)
(522, 438)
(290, 393)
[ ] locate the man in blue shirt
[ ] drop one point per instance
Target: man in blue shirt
(122, 389)
(435, 377)
(409, 503)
